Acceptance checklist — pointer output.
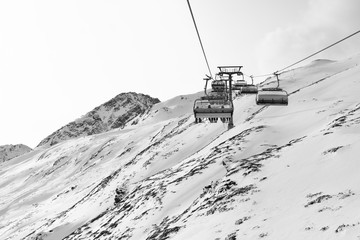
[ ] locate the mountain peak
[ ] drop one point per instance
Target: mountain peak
(115, 113)
(8, 152)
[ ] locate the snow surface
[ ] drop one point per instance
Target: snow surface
(283, 172)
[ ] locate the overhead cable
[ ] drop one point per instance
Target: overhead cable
(198, 34)
(270, 74)
(257, 76)
(320, 51)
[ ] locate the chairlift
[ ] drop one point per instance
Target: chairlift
(213, 95)
(219, 84)
(239, 83)
(218, 104)
(272, 96)
(213, 110)
(249, 88)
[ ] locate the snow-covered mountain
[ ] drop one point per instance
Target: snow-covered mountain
(10, 151)
(115, 113)
(283, 172)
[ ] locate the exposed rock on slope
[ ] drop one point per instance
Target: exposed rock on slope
(8, 152)
(113, 114)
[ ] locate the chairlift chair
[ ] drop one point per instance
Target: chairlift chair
(272, 96)
(249, 88)
(218, 85)
(213, 110)
(215, 96)
(238, 84)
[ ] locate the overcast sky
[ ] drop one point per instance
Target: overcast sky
(61, 59)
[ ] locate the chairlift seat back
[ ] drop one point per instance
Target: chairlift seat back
(272, 96)
(213, 108)
(250, 88)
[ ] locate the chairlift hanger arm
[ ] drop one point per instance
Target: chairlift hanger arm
(277, 78)
(252, 79)
(206, 79)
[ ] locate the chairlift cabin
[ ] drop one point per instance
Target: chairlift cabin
(272, 96)
(213, 110)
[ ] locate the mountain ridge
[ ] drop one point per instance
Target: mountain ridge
(10, 151)
(115, 113)
(280, 173)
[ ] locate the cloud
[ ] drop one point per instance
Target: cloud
(323, 23)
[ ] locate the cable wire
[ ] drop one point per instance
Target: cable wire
(320, 50)
(331, 45)
(264, 75)
(198, 34)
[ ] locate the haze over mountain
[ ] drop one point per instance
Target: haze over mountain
(283, 172)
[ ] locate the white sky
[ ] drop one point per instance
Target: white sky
(60, 59)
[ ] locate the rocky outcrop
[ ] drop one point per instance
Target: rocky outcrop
(115, 113)
(8, 152)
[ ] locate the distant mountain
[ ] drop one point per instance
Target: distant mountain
(115, 113)
(8, 152)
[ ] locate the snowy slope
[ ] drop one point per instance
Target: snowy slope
(8, 152)
(281, 173)
(115, 113)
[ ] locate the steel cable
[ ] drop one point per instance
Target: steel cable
(331, 45)
(198, 34)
